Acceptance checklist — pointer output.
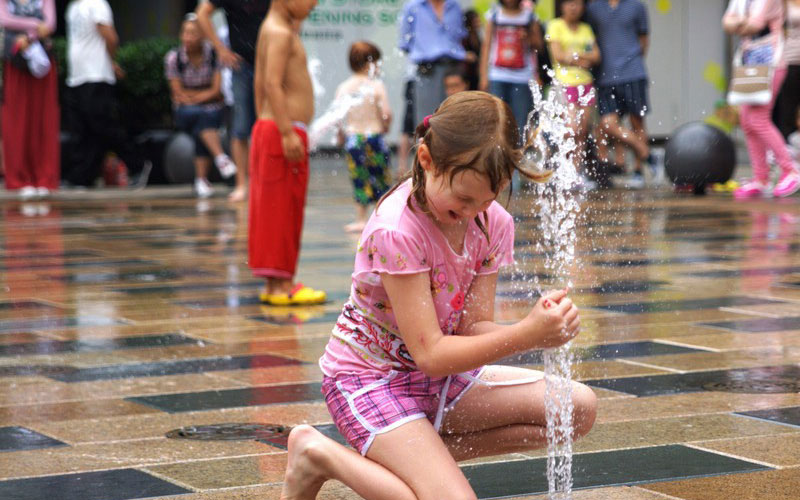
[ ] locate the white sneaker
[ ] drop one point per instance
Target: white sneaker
(225, 165)
(42, 192)
(203, 188)
(635, 181)
(27, 193)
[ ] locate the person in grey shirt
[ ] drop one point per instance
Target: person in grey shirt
(622, 30)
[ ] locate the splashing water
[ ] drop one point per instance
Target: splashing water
(332, 120)
(548, 155)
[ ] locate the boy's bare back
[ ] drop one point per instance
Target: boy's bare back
(283, 89)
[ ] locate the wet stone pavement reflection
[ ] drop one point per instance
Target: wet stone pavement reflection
(122, 320)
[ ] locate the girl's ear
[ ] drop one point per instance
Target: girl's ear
(424, 157)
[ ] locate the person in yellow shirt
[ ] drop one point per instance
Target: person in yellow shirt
(574, 51)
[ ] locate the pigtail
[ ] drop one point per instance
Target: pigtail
(417, 175)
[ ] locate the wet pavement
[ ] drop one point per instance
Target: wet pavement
(126, 318)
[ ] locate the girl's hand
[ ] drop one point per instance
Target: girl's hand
(552, 322)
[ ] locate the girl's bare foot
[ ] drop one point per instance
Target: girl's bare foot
(305, 467)
(355, 227)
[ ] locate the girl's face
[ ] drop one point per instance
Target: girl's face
(572, 10)
(458, 200)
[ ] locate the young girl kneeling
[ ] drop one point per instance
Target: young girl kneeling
(406, 379)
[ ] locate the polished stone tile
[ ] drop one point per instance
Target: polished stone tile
(174, 289)
(37, 390)
(689, 429)
(140, 276)
(765, 379)
(789, 415)
(114, 455)
(88, 345)
(759, 325)
(633, 262)
(746, 273)
(27, 414)
(19, 438)
(688, 404)
(776, 450)
(86, 263)
(226, 473)
(16, 305)
(611, 493)
(772, 485)
(697, 361)
(275, 375)
(253, 396)
(731, 341)
(170, 368)
(603, 469)
(683, 305)
(9, 326)
(295, 317)
(123, 484)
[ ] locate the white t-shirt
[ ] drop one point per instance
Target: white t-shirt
(510, 32)
(87, 58)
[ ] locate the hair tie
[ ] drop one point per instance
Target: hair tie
(427, 121)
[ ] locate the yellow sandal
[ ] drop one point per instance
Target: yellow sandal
(299, 296)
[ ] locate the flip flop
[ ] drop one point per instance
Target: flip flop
(299, 296)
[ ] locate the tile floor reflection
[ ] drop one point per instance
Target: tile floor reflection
(124, 319)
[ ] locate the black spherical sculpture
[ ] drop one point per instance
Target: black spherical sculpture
(179, 159)
(699, 154)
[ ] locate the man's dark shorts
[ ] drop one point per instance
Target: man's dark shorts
(629, 98)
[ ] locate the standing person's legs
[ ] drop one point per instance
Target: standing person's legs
(788, 101)
(207, 130)
(521, 102)
(189, 119)
(44, 143)
(429, 90)
(609, 107)
(409, 127)
(356, 156)
(244, 116)
(762, 135)
(16, 127)
(82, 164)
(277, 203)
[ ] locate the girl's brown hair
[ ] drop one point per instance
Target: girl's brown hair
(469, 131)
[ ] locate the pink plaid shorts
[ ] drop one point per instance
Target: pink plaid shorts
(368, 404)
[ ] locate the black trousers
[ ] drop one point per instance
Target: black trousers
(92, 120)
(785, 112)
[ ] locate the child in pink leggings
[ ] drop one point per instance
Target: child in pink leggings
(748, 18)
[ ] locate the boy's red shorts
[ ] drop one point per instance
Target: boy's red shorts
(277, 202)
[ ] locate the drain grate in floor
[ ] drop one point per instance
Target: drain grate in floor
(231, 432)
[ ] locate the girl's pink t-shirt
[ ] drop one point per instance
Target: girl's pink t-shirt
(399, 240)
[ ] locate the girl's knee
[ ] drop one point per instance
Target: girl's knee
(585, 403)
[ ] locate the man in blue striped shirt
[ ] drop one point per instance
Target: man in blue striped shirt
(430, 34)
(622, 31)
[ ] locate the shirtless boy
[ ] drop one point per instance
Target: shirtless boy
(284, 101)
